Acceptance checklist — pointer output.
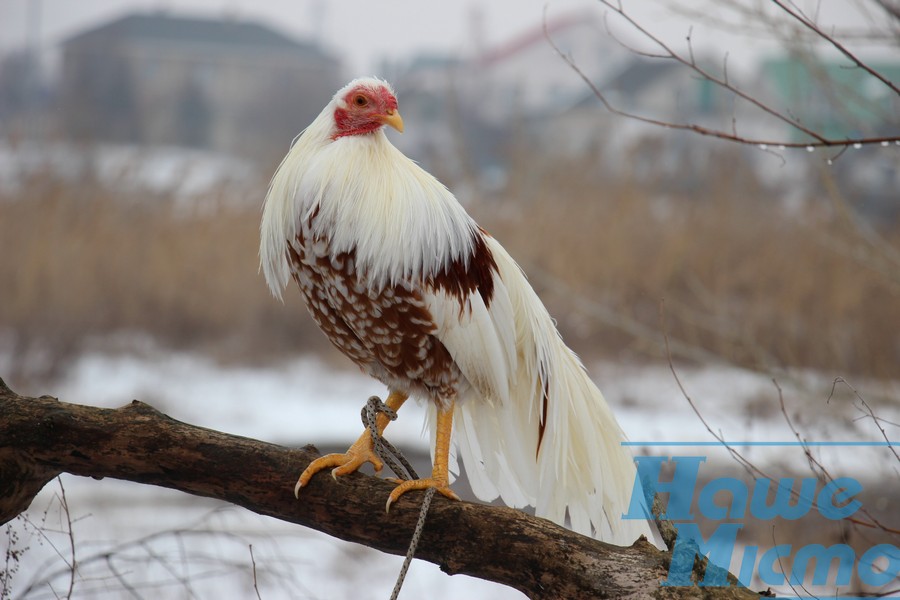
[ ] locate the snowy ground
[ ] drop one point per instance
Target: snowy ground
(138, 541)
(182, 172)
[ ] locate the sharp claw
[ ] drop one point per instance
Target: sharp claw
(343, 464)
(438, 485)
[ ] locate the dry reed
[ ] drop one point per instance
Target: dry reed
(739, 276)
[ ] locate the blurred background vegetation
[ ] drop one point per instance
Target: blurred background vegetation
(131, 181)
(728, 272)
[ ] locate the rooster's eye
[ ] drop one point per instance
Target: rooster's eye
(360, 100)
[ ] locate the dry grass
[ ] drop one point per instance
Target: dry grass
(738, 276)
(727, 267)
(83, 260)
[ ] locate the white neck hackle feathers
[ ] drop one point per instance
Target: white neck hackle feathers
(401, 221)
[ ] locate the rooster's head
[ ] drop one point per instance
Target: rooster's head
(363, 106)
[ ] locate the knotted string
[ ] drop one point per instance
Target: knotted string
(401, 467)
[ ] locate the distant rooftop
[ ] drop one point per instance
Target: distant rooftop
(430, 60)
(638, 74)
(537, 35)
(164, 27)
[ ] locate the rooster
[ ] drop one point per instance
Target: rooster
(405, 283)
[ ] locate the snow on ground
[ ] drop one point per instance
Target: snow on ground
(745, 406)
(302, 400)
(183, 172)
(139, 541)
(297, 401)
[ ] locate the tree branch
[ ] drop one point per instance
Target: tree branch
(42, 437)
(811, 25)
(817, 139)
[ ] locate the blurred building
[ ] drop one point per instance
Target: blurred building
(527, 76)
(521, 94)
(227, 85)
(832, 97)
(480, 102)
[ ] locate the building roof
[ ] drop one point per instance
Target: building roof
(163, 27)
(638, 74)
(631, 81)
(434, 61)
(535, 36)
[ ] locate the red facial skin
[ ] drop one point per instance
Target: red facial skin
(365, 112)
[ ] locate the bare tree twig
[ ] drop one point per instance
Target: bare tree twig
(737, 456)
(108, 555)
(891, 8)
(65, 509)
(750, 19)
(752, 469)
(692, 64)
(811, 25)
(868, 410)
(818, 140)
(253, 563)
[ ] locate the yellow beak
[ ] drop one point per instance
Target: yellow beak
(393, 119)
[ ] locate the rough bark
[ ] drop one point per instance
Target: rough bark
(42, 437)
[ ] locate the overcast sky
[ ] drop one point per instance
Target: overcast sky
(364, 32)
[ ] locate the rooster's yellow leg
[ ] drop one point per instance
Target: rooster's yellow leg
(362, 450)
(440, 472)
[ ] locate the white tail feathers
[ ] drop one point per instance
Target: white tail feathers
(556, 444)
